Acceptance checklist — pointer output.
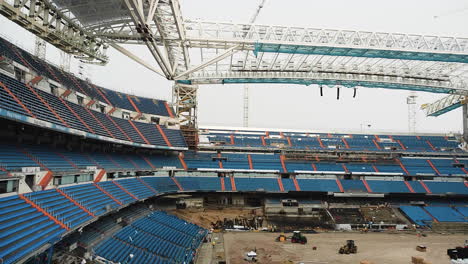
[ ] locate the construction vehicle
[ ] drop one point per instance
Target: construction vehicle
(349, 248)
(298, 238)
(281, 238)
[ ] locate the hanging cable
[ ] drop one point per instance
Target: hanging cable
(338, 93)
(355, 90)
(321, 90)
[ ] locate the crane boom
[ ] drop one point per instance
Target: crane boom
(259, 8)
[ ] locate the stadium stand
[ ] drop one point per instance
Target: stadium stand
(308, 141)
(23, 229)
(445, 214)
(417, 215)
(20, 56)
(53, 109)
(157, 238)
(86, 166)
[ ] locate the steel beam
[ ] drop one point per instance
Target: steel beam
(136, 10)
(444, 105)
(264, 38)
(136, 58)
(169, 23)
(330, 79)
(212, 61)
(43, 19)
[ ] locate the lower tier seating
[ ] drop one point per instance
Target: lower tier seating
(156, 238)
(417, 215)
(23, 229)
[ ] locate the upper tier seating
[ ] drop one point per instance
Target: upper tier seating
(145, 105)
(50, 108)
(333, 141)
(235, 161)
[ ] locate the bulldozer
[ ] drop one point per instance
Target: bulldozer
(349, 248)
(298, 238)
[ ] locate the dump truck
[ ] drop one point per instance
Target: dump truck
(349, 248)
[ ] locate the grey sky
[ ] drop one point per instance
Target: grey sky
(294, 106)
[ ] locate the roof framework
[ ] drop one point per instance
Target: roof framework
(194, 52)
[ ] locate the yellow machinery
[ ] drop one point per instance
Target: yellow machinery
(281, 238)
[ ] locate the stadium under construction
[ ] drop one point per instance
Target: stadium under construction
(92, 175)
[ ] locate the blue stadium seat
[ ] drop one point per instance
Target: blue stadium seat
(90, 197)
(445, 214)
(23, 229)
(60, 207)
(417, 215)
(164, 238)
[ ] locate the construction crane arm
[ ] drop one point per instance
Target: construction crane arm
(255, 15)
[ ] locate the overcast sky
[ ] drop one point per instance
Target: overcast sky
(286, 105)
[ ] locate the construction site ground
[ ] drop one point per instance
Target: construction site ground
(204, 217)
(379, 248)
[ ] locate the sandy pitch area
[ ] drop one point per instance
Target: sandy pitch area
(380, 248)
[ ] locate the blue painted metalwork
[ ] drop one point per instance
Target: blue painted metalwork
(359, 52)
(349, 84)
(447, 109)
(185, 82)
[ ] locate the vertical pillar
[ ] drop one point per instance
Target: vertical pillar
(465, 122)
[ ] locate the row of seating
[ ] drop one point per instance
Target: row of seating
(32, 102)
(314, 185)
(157, 238)
(68, 80)
(333, 141)
(14, 157)
(426, 215)
(413, 166)
(92, 233)
(23, 229)
(74, 205)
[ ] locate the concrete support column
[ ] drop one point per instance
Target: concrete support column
(465, 122)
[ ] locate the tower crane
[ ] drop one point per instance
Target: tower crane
(246, 88)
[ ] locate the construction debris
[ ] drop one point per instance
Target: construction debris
(419, 260)
(421, 248)
(239, 223)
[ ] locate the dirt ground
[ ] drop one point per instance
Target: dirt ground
(204, 217)
(380, 248)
